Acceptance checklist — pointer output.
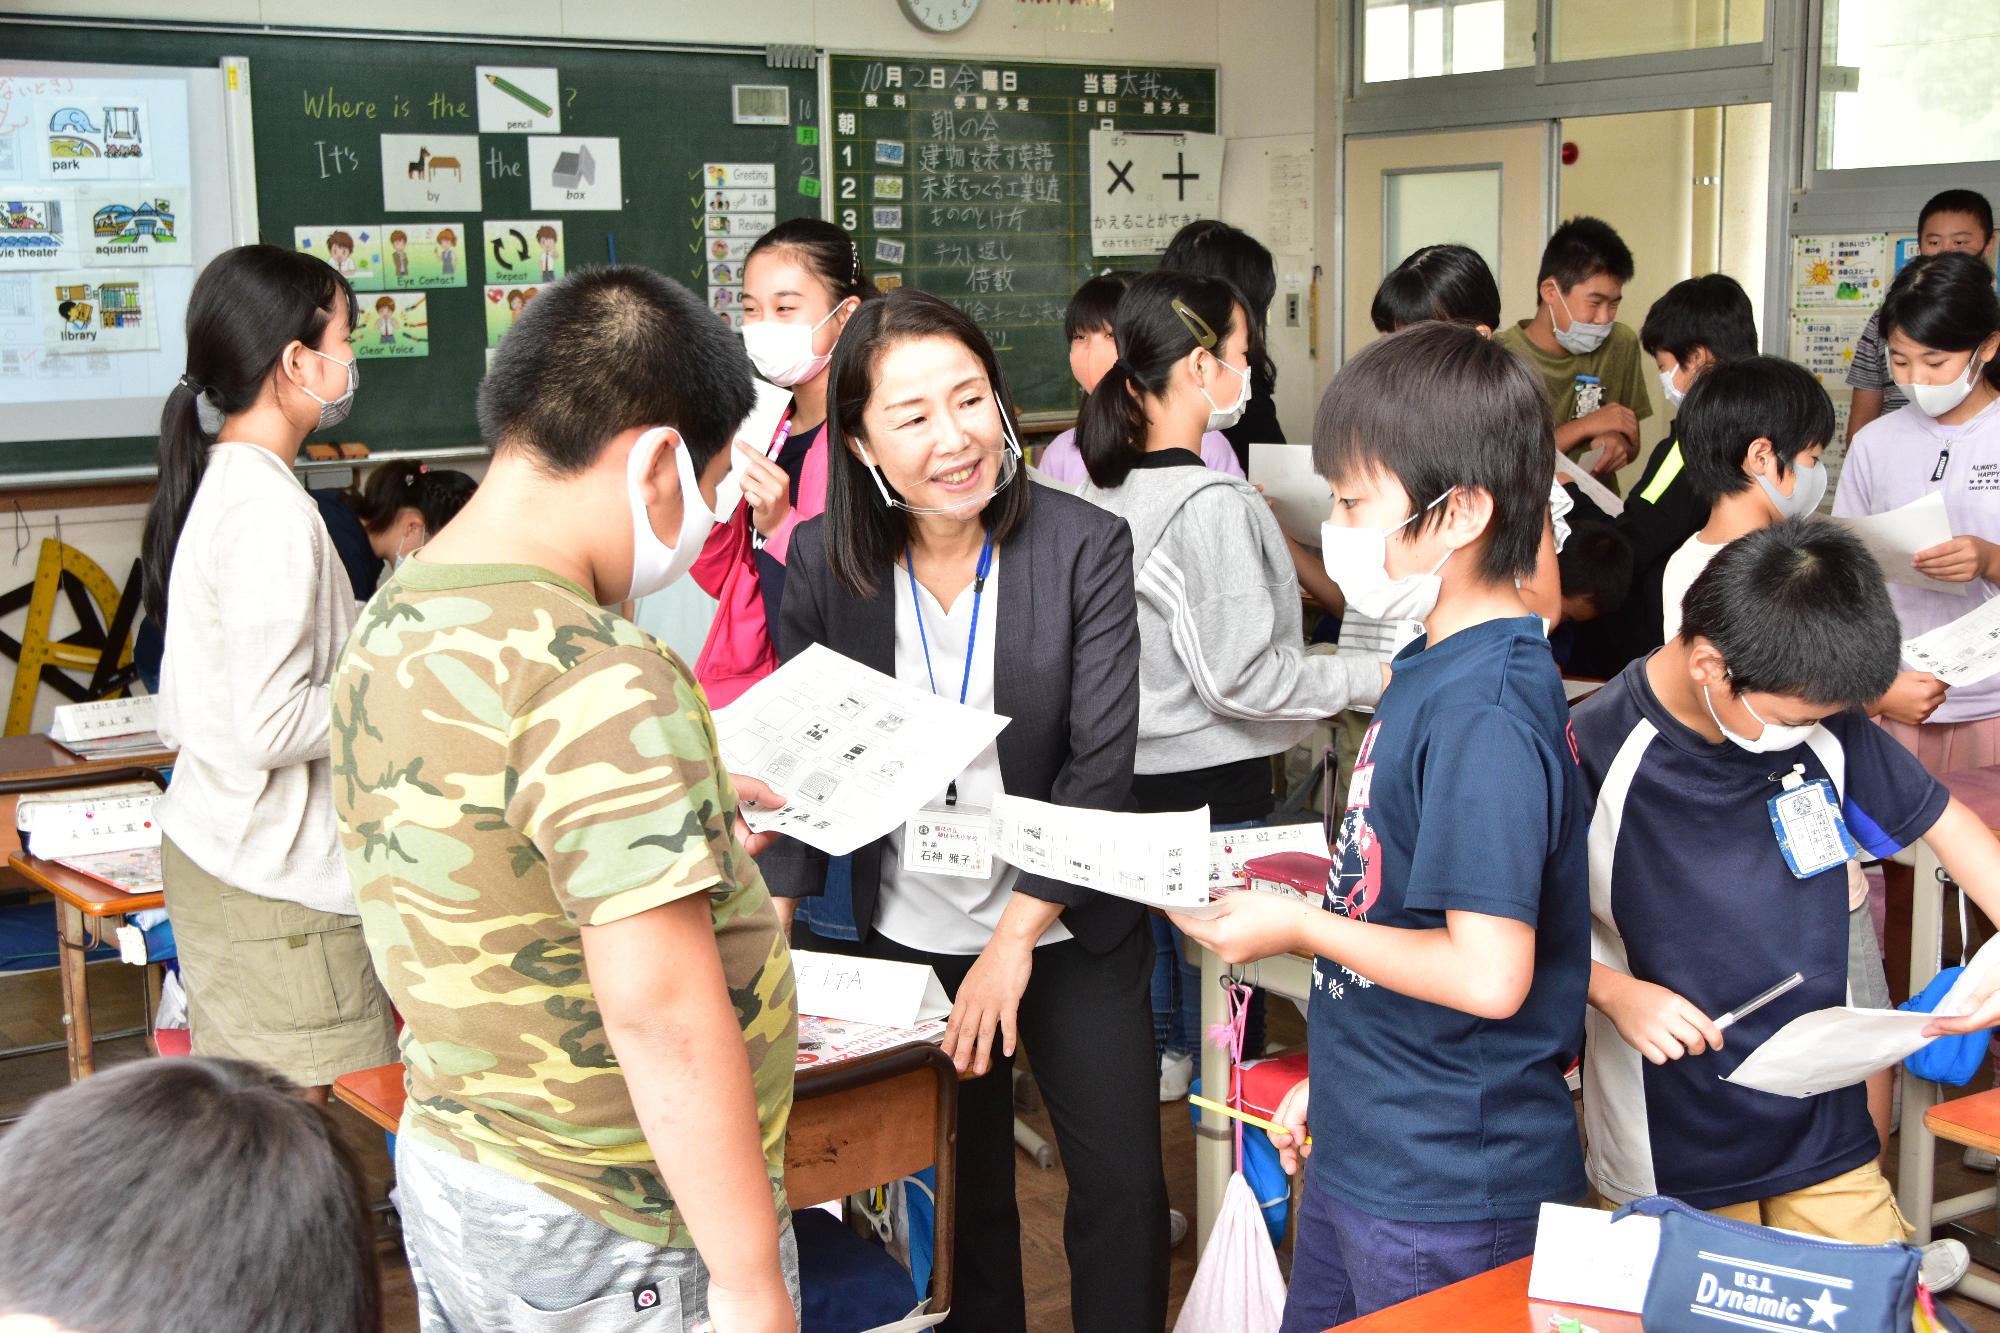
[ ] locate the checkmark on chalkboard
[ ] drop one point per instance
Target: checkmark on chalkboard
(695, 175)
(695, 247)
(694, 201)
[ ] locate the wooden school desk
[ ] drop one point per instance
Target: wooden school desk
(854, 1125)
(1495, 1302)
(87, 911)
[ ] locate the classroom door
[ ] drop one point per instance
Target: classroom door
(1484, 188)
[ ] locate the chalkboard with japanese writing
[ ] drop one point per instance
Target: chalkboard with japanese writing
(972, 180)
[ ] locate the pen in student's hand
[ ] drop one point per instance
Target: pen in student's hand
(1749, 1007)
(1195, 1099)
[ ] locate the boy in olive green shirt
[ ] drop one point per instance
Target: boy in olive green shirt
(1589, 363)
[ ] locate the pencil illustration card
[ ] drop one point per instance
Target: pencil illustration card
(516, 100)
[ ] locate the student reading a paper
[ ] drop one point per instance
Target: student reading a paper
(1698, 324)
(1951, 220)
(1453, 946)
(597, 999)
(1753, 717)
(939, 563)
(1941, 321)
(1587, 361)
(242, 576)
(802, 282)
(1088, 324)
(1752, 433)
(1225, 682)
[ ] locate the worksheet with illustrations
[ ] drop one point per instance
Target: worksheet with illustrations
(1157, 859)
(855, 753)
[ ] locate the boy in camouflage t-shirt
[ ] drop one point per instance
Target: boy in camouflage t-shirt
(598, 1004)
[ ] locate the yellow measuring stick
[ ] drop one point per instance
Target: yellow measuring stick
(1259, 1121)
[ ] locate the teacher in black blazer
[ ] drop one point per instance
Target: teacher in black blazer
(939, 562)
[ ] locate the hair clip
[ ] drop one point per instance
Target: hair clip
(1196, 326)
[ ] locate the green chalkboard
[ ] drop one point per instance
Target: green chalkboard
(322, 101)
(972, 180)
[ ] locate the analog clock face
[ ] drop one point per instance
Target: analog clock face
(940, 15)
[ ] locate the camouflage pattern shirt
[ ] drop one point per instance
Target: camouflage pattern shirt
(511, 763)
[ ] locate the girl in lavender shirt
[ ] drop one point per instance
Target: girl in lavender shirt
(1941, 322)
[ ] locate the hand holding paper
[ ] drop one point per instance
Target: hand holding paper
(1833, 1048)
(1896, 537)
(1299, 496)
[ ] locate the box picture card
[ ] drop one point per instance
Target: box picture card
(574, 174)
(430, 173)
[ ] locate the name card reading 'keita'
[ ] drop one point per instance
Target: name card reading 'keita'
(867, 990)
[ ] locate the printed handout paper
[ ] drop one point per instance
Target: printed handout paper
(1895, 536)
(1964, 652)
(854, 753)
(1157, 859)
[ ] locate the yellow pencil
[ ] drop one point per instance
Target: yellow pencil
(1248, 1119)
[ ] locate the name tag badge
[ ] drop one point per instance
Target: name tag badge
(952, 840)
(1805, 816)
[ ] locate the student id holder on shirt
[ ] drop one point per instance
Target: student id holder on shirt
(1805, 816)
(950, 839)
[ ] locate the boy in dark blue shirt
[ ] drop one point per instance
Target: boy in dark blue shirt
(1453, 951)
(1697, 907)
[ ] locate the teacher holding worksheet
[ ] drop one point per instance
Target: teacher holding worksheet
(939, 562)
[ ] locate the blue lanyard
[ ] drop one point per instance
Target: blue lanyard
(972, 637)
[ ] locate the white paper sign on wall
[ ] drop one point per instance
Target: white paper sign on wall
(1144, 187)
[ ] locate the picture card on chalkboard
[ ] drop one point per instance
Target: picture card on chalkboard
(40, 228)
(517, 100)
(354, 248)
(99, 310)
(430, 173)
(392, 325)
(529, 250)
(503, 306)
(142, 226)
(571, 173)
(417, 255)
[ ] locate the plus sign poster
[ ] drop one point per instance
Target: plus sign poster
(1145, 186)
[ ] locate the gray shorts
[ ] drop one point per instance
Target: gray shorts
(488, 1251)
(1867, 983)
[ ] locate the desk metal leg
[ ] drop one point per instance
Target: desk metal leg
(1214, 1136)
(71, 949)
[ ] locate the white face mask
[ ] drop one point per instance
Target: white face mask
(1222, 418)
(333, 411)
(1771, 740)
(396, 561)
(1808, 489)
(654, 563)
(1934, 400)
(1674, 396)
(1357, 560)
(783, 353)
(1579, 339)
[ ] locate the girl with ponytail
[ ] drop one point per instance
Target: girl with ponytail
(241, 574)
(1225, 682)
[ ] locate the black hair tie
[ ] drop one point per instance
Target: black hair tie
(193, 388)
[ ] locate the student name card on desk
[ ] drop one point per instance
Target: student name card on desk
(1299, 496)
(1837, 1047)
(854, 753)
(1157, 859)
(867, 990)
(107, 727)
(1895, 536)
(1583, 1258)
(118, 819)
(1964, 652)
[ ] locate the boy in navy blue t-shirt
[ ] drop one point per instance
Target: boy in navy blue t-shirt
(1454, 950)
(1784, 637)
